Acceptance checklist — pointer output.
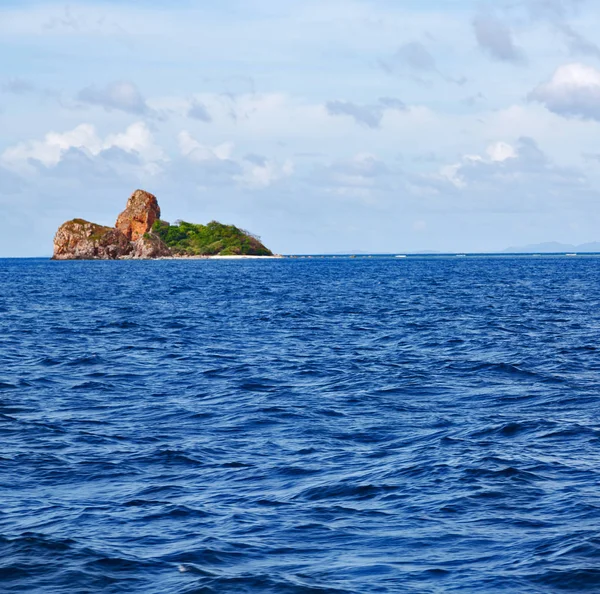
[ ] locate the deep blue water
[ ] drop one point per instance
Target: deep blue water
(291, 426)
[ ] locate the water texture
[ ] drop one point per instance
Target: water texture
(300, 426)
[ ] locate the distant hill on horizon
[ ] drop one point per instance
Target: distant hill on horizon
(551, 247)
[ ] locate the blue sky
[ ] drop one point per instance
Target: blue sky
(321, 125)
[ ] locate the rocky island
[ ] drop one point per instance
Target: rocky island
(140, 233)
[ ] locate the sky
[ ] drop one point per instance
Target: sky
(320, 125)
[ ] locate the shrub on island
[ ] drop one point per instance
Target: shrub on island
(212, 239)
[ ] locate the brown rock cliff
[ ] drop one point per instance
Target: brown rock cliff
(150, 246)
(82, 240)
(139, 215)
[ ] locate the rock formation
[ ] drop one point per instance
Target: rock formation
(139, 233)
(139, 215)
(82, 240)
(131, 237)
(149, 246)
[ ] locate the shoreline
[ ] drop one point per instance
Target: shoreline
(239, 257)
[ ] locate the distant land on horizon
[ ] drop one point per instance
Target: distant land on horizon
(548, 247)
(365, 253)
(554, 247)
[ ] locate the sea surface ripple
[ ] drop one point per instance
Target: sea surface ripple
(300, 426)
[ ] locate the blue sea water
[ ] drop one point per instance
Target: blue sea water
(300, 426)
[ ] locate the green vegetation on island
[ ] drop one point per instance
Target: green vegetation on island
(189, 239)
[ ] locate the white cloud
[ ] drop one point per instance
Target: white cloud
(452, 174)
(137, 139)
(495, 154)
(253, 171)
(501, 151)
(264, 172)
(358, 177)
(573, 91)
(511, 178)
(49, 152)
(195, 151)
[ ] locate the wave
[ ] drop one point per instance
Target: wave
(304, 426)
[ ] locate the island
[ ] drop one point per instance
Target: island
(140, 233)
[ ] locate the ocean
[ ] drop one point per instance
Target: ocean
(325, 425)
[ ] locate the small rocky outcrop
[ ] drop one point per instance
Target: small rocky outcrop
(150, 246)
(139, 215)
(82, 240)
(132, 236)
